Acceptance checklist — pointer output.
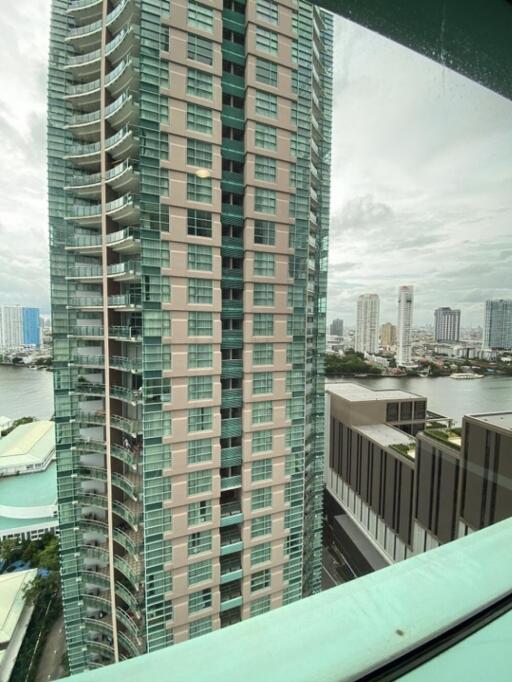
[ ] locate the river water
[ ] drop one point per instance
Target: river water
(453, 397)
(29, 393)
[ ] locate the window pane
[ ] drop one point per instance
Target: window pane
(266, 40)
(199, 512)
(200, 291)
(199, 482)
(199, 153)
(205, 625)
(199, 451)
(266, 104)
(200, 49)
(262, 441)
(261, 526)
(200, 257)
(263, 354)
(199, 84)
(264, 232)
(200, 324)
(267, 10)
(197, 601)
(264, 264)
(266, 72)
(263, 324)
(200, 355)
(200, 542)
(199, 223)
(260, 580)
(261, 553)
(265, 136)
(199, 118)
(200, 16)
(261, 470)
(200, 419)
(199, 572)
(261, 413)
(199, 189)
(263, 294)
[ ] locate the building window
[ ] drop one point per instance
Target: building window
(200, 355)
(199, 223)
(199, 512)
(392, 412)
(199, 482)
(295, 52)
(261, 553)
(200, 388)
(260, 580)
(200, 16)
(266, 40)
(261, 470)
(267, 10)
(200, 49)
(263, 324)
(264, 232)
(199, 451)
(263, 294)
(199, 118)
(201, 626)
(263, 354)
(199, 189)
(265, 136)
(200, 542)
(200, 291)
(265, 168)
(199, 153)
(200, 257)
(261, 605)
(262, 441)
(261, 413)
(199, 84)
(261, 526)
(266, 104)
(262, 382)
(264, 264)
(266, 72)
(261, 498)
(200, 324)
(197, 601)
(200, 419)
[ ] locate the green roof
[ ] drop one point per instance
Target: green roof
(30, 490)
(27, 444)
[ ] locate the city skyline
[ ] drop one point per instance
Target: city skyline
(389, 173)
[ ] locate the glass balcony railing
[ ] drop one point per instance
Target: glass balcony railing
(86, 271)
(75, 150)
(121, 362)
(87, 330)
(75, 5)
(127, 394)
(124, 300)
(85, 302)
(125, 332)
(129, 426)
(230, 482)
(122, 235)
(125, 455)
(86, 240)
(126, 267)
(89, 360)
(77, 31)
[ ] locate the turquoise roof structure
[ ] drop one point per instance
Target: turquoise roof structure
(30, 490)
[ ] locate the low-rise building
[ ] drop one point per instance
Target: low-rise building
(27, 449)
(15, 614)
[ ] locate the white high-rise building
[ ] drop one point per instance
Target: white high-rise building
(447, 325)
(11, 327)
(404, 327)
(367, 326)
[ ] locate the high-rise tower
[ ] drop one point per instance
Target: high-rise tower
(404, 326)
(498, 324)
(367, 323)
(447, 325)
(189, 159)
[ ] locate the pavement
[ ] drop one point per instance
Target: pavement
(50, 667)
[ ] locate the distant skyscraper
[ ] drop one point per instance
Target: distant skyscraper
(404, 327)
(31, 334)
(367, 326)
(388, 334)
(11, 327)
(336, 328)
(447, 325)
(498, 324)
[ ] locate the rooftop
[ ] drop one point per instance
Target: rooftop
(356, 393)
(27, 444)
(385, 435)
(500, 420)
(11, 602)
(29, 490)
(386, 618)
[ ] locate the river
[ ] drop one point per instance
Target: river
(29, 393)
(25, 392)
(453, 397)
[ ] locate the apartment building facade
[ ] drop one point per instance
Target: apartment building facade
(189, 158)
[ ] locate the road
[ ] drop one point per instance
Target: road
(50, 667)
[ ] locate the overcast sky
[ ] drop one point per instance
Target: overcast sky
(422, 180)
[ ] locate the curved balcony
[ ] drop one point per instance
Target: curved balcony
(93, 500)
(124, 210)
(125, 302)
(124, 455)
(84, 185)
(122, 77)
(87, 215)
(122, 144)
(87, 65)
(86, 388)
(128, 511)
(85, 302)
(126, 271)
(94, 526)
(125, 333)
(84, 155)
(86, 37)
(129, 567)
(128, 623)
(122, 177)
(120, 15)
(85, 126)
(131, 427)
(126, 541)
(82, 360)
(126, 395)
(85, 243)
(100, 603)
(127, 644)
(124, 241)
(128, 483)
(86, 331)
(91, 418)
(121, 112)
(98, 578)
(88, 273)
(129, 599)
(89, 447)
(86, 95)
(93, 473)
(85, 11)
(102, 625)
(101, 648)
(121, 362)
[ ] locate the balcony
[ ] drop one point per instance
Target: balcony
(231, 456)
(86, 388)
(232, 369)
(232, 309)
(230, 597)
(91, 418)
(125, 241)
(126, 540)
(230, 428)
(122, 144)
(126, 271)
(87, 244)
(119, 79)
(232, 339)
(126, 455)
(129, 567)
(230, 482)
(84, 155)
(84, 185)
(85, 302)
(230, 569)
(86, 66)
(128, 483)
(122, 177)
(86, 273)
(86, 331)
(232, 246)
(230, 514)
(85, 11)
(83, 360)
(87, 37)
(128, 623)
(131, 427)
(121, 362)
(125, 301)
(232, 278)
(231, 397)
(126, 395)
(125, 333)
(128, 645)
(123, 593)
(120, 15)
